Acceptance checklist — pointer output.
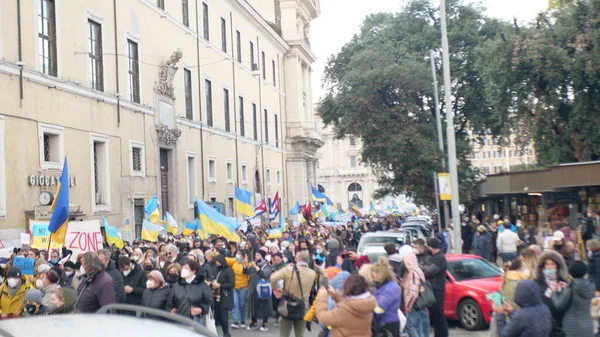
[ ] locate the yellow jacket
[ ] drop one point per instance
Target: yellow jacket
(12, 305)
(241, 279)
(310, 314)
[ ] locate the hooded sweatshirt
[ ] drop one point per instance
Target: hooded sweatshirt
(411, 282)
(532, 320)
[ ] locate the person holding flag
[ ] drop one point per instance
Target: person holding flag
(59, 221)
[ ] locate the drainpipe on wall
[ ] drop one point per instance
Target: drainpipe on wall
(262, 125)
(200, 104)
(235, 128)
(20, 47)
(118, 94)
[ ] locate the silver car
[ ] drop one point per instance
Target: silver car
(398, 237)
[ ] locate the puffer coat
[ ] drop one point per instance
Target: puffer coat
(156, 298)
(576, 300)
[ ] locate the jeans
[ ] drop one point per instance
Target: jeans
(507, 257)
(239, 305)
(417, 323)
(286, 325)
(200, 320)
(440, 325)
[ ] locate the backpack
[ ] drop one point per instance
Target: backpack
(263, 289)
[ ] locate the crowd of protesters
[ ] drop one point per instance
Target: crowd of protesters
(309, 278)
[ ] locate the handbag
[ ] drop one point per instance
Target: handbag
(210, 321)
(291, 307)
(426, 297)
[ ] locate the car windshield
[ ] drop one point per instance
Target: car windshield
(399, 239)
(374, 255)
(473, 269)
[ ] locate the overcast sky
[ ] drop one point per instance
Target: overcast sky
(341, 19)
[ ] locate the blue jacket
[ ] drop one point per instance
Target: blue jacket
(482, 245)
(338, 284)
(389, 298)
(532, 320)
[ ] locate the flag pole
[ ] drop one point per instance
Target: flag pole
(49, 241)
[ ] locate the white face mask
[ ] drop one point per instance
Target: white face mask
(39, 284)
(135, 258)
(69, 273)
(126, 272)
(13, 282)
(150, 284)
(82, 271)
(185, 273)
(162, 264)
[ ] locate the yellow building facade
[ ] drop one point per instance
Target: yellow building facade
(179, 99)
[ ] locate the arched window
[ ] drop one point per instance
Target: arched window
(354, 187)
(355, 195)
(321, 188)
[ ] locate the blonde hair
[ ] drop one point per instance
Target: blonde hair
(593, 245)
(530, 259)
(383, 270)
(149, 253)
(365, 271)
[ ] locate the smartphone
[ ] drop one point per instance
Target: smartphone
(496, 297)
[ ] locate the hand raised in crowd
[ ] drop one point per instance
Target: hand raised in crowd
(216, 285)
(128, 289)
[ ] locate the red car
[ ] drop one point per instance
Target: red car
(469, 279)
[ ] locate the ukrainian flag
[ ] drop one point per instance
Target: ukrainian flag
(112, 236)
(216, 223)
(151, 210)
(372, 210)
(150, 231)
(203, 234)
(190, 227)
(243, 202)
(320, 197)
(59, 222)
(172, 226)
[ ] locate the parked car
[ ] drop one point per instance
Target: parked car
(422, 232)
(398, 237)
(469, 280)
(374, 252)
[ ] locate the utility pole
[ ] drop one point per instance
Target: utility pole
(452, 164)
(438, 120)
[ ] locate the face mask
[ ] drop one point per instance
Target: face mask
(39, 284)
(319, 251)
(239, 258)
(162, 264)
(13, 282)
(135, 258)
(185, 273)
(416, 251)
(285, 260)
(172, 278)
(69, 273)
(54, 261)
(150, 284)
(82, 271)
(549, 272)
(30, 308)
(126, 272)
(148, 268)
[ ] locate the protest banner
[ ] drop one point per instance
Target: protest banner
(84, 236)
(25, 264)
(41, 235)
(25, 239)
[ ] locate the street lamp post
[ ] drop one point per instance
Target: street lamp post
(452, 164)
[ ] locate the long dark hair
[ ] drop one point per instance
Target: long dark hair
(355, 285)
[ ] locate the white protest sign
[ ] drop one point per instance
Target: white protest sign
(25, 239)
(83, 236)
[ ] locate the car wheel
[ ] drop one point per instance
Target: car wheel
(470, 315)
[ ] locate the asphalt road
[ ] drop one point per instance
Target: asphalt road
(455, 331)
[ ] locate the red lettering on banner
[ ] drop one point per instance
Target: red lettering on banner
(87, 242)
(75, 238)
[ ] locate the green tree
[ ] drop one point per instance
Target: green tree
(379, 89)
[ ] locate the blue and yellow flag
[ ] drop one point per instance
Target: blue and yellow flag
(354, 209)
(113, 237)
(372, 210)
(151, 210)
(243, 202)
(216, 223)
(59, 222)
(172, 226)
(296, 209)
(320, 197)
(190, 227)
(150, 231)
(202, 233)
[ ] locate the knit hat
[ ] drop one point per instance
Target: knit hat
(157, 276)
(481, 228)
(362, 260)
(558, 236)
(33, 295)
(14, 272)
(332, 272)
(69, 264)
(578, 269)
(434, 243)
(500, 222)
(405, 249)
(43, 267)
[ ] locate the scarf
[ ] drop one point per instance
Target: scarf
(362, 296)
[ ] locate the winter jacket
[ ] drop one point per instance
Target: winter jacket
(70, 296)
(435, 271)
(118, 282)
(241, 279)
(137, 280)
(388, 298)
(94, 292)
(257, 307)
(307, 276)
(226, 279)
(509, 286)
(12, 305)
(412, 280)
(483, 245)
(208, 271)
(576, 300)
(351, 317)
(397, 264)
(562, 276)
(156, 298)
(532, 320)
(185, 295)
(594, 269)
(47, 292)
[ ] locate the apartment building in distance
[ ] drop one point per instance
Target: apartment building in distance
(183, 99)
(492, 157)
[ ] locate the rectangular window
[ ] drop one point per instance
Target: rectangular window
(212, 170)
(268, 177)
(160, 4)
(50, 146)
(2, 170)
(242, 117)
(244, 174)
(185, 13)
(476, 155)
(101, 173)
(486, 169)
(496, 154)
(191, 179)
(276, 130)
(486, 154)
(239, 45)
(266, 126)
(264, 66)
(353, 161)
(205, 21)
(497, 169)
(47, 37)
(230, 210)
(352, 141)
(95, 55)
(486, 142)
(517, 153)
(137, 157)
(278, 177)
(187, 83)
(252, 55)
(224, 35)
(209, 109)
(274, 73)
(254, 121)
(226, 110)
(134, 71)
(229, 171)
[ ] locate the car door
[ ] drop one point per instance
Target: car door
(451, 296)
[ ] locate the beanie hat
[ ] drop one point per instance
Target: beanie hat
(481, 228)
(578, 269)
(14, 272)
(434, 243)
(362, 260)
(33, 295)
(157, 276)
(405, 249)
(69, 264)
